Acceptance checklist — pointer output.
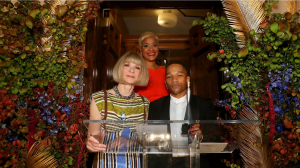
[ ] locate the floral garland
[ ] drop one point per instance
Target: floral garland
(36, 67)
(264, 75)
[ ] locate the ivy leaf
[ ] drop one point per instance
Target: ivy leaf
(224, 86)
(29, 22)
(14, 91)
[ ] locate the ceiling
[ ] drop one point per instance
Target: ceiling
(141, 20)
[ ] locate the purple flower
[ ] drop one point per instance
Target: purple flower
(49, 120)
(45, 118)
(235, 79)
(286, 78)
(47, 112)
(298, 117)
(295, 98)
(277, 109)
(81, 98)
(53, 131)
(239, 85)
(242, 96)
(279, 128)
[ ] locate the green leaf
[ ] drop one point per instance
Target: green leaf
(3, 83)
(23, 56)
(274, 27)
(224, 86)
(14, 91)
(228, 89)
(273, 66)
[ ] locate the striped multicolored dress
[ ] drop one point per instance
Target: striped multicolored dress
(134, 109)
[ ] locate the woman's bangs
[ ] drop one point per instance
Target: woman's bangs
(134, 60)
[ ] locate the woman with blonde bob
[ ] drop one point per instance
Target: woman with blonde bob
(118, 103)
(156, 87)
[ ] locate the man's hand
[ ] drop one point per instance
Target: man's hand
(196, 129)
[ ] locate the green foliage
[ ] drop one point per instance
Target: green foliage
(277, 45)
(270, 59)
(34, 53)
(40, 51)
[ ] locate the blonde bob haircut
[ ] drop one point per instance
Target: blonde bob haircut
(132, 57)
(145, 35)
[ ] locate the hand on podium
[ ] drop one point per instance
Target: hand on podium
(196, 129)
(93, 143)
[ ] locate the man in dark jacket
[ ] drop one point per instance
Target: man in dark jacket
(173, 107)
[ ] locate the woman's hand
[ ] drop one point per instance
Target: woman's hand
(196, 129)
(93, 144)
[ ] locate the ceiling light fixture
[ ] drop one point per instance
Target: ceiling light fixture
(167, 19)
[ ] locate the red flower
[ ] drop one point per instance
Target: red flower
(266, 114)
(73, 128)
(233, 112)
(221, 51)
(50, 84)
(227, 108)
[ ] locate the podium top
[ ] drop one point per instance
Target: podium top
(170, 136)
(175, 121)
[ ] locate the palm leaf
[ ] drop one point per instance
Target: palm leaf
(251, 155)
(243, 16)
(291, 6)
(41, 157)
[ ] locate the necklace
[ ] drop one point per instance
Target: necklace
(121, 96)
(123, 115)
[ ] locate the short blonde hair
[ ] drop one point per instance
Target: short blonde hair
(145, 35)
(132, 57)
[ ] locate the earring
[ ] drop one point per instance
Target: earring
(166, 86)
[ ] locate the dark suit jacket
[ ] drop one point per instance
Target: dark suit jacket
(201, 109)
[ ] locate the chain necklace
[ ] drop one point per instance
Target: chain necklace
(123, 115)
(118, 94)
(131, 96)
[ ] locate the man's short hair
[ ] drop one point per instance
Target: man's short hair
(187, 72)
(132, 57)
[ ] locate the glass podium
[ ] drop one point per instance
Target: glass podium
(170, 137)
